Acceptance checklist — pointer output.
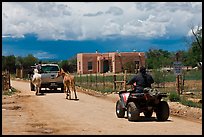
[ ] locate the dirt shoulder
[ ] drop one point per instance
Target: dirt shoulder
(18, 117)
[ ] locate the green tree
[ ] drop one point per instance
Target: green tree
(198, 37)
(72, 62)
(157, 58)
(195, 50)
(28, 61)
(3, 63)
(69, 65)
(159, 77)
(19, 62)
(64, 65)
(8, 63)
(130, 67)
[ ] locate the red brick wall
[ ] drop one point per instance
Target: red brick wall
(84, 59)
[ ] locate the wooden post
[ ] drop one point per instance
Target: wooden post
(17, 73)
(125, 78)
(178, 84)
(96, 82)
(80, 78)
(3, 81)
(177, 77)
(21, 73)
(9, 82)
(183, 80)
(103, 82)
(87, 79)
(90, 79)
(114, 83)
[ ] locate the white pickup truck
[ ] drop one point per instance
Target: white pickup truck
(48, 75)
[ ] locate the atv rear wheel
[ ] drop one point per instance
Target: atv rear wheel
(133, 113)
(162, 111)
(120, 112)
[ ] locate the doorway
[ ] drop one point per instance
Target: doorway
(105, 66)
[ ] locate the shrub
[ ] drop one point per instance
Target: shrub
(10, 91)
(174, 97)
(190, 103)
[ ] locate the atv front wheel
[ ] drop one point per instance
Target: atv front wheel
(133, 113)
(120, 112)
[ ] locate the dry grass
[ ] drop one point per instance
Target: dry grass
(192, 86)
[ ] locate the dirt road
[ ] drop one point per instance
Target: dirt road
(26, 113)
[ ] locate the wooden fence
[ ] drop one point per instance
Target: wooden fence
(6, 85)
(22, 73)
(108, 82)
(104, 82)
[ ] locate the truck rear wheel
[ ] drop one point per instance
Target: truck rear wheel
(133, 113)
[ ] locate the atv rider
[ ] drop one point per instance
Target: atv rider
(142, 80)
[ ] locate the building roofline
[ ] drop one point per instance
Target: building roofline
(111, 52)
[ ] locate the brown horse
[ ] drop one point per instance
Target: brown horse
(69, 83)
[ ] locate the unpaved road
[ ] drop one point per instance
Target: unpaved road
(51, 113)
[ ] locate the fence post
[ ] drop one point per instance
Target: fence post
(114, 83)
(96, 82)
(91, 79)
(125, 79)
(21, 73)
(2, 82)
(103, 82)
(183, 81)
(80, 79)
(6, 84)
(9, 80)
(87, 79)
(178, 84)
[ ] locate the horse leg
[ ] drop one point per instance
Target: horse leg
(39, 90)
(66, 92)
(73, 88)
(69, 94)
(75, 92)
(36, 90)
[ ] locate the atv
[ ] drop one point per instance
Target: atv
(149, 101)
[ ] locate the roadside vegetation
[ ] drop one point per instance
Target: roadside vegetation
(174, 97)
(9, 92)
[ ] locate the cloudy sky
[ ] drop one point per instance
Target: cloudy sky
(63, 29)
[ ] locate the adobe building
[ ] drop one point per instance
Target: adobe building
(107, 62)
